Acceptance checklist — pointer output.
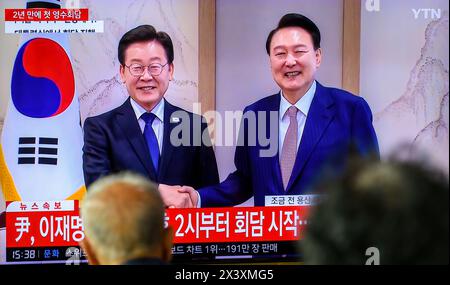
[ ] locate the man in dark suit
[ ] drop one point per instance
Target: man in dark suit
(315, 125)
(141, 135)
(123, 219)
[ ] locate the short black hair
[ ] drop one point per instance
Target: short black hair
(296, 20)
(399, 207)
(145, 33)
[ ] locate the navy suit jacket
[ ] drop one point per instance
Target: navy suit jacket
(114, 142)
(336, 121)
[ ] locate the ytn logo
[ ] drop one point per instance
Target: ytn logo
(433, 13)
(373, 5)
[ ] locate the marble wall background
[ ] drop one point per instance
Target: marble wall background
(404, 77)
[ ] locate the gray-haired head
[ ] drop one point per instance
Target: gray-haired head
(123, 218)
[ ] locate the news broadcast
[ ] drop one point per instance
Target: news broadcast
(212, 132)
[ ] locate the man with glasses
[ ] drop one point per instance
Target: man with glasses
(137, 135)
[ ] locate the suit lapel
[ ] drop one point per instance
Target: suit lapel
(167, 148)
(129, 125)
(274, 106)
(320, 115)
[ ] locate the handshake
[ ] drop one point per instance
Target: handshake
(178, 196)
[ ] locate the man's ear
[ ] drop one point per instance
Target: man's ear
(87, 248)
(122, 73)
(171, 71)
(167, 243)
(318, 57)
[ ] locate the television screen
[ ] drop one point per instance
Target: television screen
(370, 72)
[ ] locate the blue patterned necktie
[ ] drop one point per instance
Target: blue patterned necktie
(150, 137)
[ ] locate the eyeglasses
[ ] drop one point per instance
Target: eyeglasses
(138, 70)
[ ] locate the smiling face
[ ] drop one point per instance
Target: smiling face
(146, 90)
(294, 61)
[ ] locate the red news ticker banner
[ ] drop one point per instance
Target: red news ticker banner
(237, 224)
(43, 223)
(57, 223)
(42, 14)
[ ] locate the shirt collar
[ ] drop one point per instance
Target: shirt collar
(158, 110)
(303, 104)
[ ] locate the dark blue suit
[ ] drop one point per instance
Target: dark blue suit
(336, 120)
(114, 142)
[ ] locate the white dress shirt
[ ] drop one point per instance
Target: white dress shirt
(303, 106)
(158, 122)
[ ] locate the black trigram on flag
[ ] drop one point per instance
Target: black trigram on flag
(34, 151)
(49, 4)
